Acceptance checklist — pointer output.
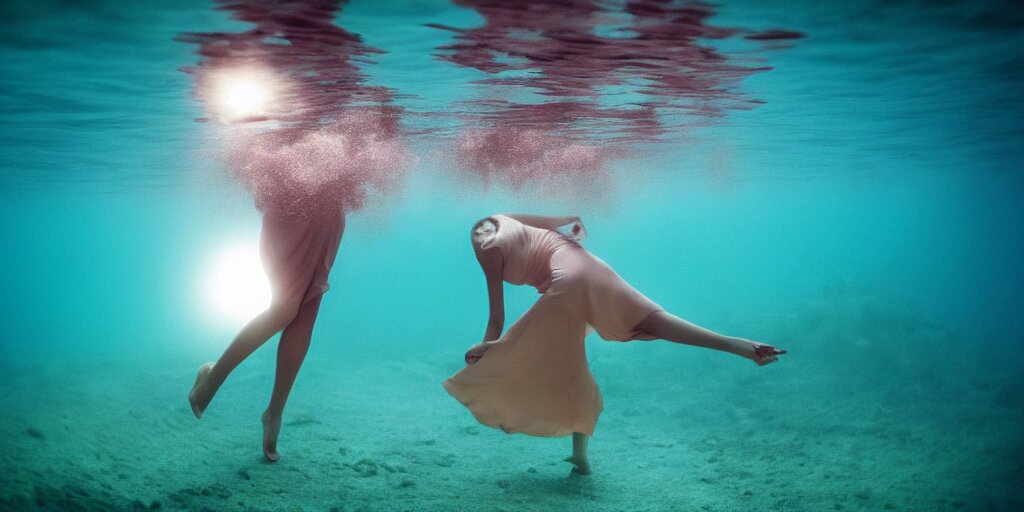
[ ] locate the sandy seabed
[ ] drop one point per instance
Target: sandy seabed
(860, 416)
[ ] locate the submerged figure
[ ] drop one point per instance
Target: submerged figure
(298, 250)
(312, 140)
(534, 378)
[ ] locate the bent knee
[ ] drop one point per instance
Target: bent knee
(282, 312)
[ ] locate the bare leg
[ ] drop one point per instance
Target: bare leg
(579, 454)
(251, 337)
(291, 351)
(666, 326)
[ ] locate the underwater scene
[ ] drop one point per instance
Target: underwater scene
(515, 247)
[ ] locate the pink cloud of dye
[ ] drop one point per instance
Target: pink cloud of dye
(337, 164)
(571, 54)
(326, 137)
(520, 156)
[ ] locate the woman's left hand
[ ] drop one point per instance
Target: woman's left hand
(476, 352)
(578, 231)
(574, 230)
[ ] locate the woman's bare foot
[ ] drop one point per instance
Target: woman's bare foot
(271, 429)
(582, 465)
(200, 397)
(765, 354)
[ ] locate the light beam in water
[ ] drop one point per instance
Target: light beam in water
(241, 94)
(235, 286)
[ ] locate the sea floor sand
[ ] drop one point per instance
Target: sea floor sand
(370, 428)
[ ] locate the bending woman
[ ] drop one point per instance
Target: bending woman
(298, 250)
(534, 378)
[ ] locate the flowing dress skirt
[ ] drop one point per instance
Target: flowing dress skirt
(535, 378)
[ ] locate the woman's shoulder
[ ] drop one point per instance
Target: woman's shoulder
(498, 220)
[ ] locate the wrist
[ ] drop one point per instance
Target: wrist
(741, 347)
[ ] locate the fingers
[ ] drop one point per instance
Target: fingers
(476, 352)
(763, 350)
(766, 354)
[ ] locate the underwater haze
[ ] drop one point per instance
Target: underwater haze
(841, 179)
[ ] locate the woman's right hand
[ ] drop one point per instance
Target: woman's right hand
(476, 352)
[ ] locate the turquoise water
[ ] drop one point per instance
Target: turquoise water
(863, 210)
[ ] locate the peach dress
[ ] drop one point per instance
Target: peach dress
(298, 252)
(535, 378)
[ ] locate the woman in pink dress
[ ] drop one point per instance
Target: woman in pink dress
(301, 128)
(304, 181)
(298, 250)
(534, 378)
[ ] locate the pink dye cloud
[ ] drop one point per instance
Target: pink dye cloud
(576, 51)
(520, 156)
(325, 138)
(313, 169)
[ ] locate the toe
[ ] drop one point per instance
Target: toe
(272, 456)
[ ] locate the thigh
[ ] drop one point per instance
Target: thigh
(288, 258)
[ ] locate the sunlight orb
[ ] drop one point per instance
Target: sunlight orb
(244, 98)
(244, 93)
(235, 285)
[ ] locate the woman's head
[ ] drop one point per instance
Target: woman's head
(484, 231)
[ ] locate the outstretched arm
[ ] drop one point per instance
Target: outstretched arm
(491, 261)
(539, 221)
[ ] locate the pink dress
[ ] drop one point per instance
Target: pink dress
(298, 251)
(535, 378)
